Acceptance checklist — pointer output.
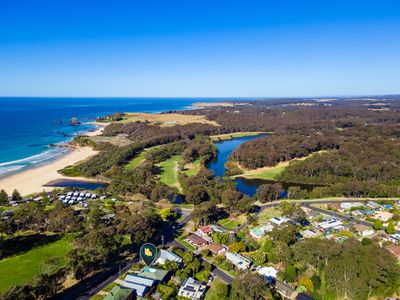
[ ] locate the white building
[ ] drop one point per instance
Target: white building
(192, 289)
(260, 231)
(241, 262)
(166, 255)
(308, 233)
(279, 220)
(330, 225)
(268, 273)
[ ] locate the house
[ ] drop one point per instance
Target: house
(241, 262)
(330, 225)
(136, 278)
(158, 275)
(269, 273)
(373, 205)
(387, 206)
(308, 233)
(364, 230)
(139, 289)
(395, 250)
(368, 212)
(260, 231)
(384, 216)
(257, 233)
(349, 205)
(279, 220)
(166, 255)
(205, 230)
(217, 249)
(196, 240)
(192, 289)
(120, 293)
(357, 212)
(140, 284)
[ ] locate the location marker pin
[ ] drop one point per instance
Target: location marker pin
(148, 253)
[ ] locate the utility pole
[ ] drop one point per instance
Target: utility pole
(162, 240)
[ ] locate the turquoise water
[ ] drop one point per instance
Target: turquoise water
(29, 125)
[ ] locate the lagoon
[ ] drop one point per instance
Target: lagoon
(243, 185)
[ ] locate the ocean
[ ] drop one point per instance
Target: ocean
(29, 125)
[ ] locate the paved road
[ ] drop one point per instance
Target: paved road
(108, 281)
(98, 284)
(90, 286)
(93, 285)
(336, 215)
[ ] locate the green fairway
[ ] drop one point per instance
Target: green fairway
(169, 175)
(192, 168)
(269, 174)
(140, 158)
(229, 136)
(21, 268)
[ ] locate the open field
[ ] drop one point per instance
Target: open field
(118, 141)
(270, 173)
(21, 268)
(233, 223)
(268, 213)
(166, 119)
(229, 136)
(169, 175)
(140, 158)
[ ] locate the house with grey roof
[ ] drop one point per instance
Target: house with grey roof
(241, 262)
(166, 255)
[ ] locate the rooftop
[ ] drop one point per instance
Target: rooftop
(152, 273)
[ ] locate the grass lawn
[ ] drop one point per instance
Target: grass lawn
(232, 223)
(185, 205)
(109, 287)
(229, 136)
(192, 168)
(140, 158)
(269, 213)
(270, 173)
(169, 175)
(21, 268)
(97, 297)
(216, 286)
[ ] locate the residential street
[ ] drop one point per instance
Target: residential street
(85, 291)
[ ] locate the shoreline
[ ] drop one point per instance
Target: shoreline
(34, 180)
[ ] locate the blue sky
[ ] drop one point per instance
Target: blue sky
(194, 48)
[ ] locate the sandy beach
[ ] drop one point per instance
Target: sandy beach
(32, 180)
(99, 129)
